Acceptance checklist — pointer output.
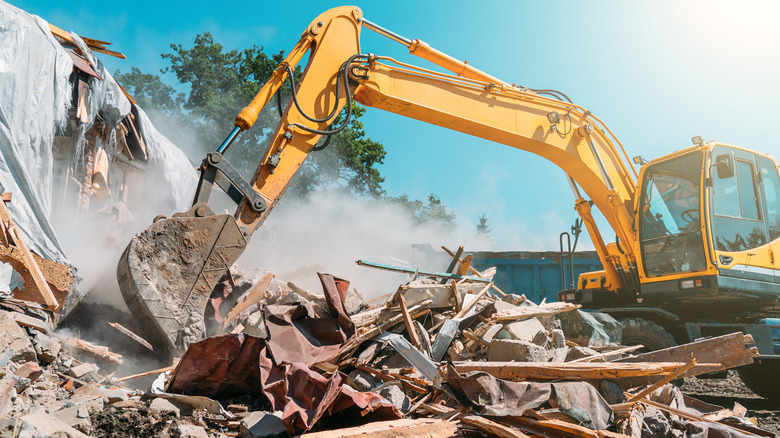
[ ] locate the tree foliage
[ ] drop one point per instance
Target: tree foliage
(425, 212)
(214, 84)
(220, 83)
(482, 226)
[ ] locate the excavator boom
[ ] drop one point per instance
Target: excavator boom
(168, 272)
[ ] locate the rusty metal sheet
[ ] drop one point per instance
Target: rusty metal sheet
(296, 337)
(220, 366)
(234, 364)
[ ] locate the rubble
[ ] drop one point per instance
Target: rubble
(285, 361)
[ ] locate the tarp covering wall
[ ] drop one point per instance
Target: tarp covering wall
(35, 103)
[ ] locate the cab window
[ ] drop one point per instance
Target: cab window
(737, 223)
(770, 183)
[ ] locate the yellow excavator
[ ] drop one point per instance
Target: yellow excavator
(696, 231)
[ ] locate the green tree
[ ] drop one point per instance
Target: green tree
(220, 83)
(433, 211)
(482, 226)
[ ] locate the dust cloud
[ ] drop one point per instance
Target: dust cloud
(331, 230)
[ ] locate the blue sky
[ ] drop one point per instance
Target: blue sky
(656, 72)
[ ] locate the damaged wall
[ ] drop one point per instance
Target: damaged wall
(77, 154)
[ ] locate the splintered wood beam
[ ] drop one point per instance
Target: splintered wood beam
(727, 351)
(572, 371)
(608, 353)
(473, 302)
(421, 427)
(473, 271)
(125, 331)
(456, 295)
(465, 265)
(35, 271)
(254, 296)
(547, 309)
(675, 374)
(410, 328)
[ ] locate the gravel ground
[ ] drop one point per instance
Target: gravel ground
(725, 392)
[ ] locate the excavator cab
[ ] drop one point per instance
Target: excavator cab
(708, 222)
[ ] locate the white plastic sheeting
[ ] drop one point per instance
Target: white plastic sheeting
(34, 99)
(35, 95)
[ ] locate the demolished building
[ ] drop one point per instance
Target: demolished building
(74, 145)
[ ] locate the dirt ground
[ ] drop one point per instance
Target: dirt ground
(725, 392)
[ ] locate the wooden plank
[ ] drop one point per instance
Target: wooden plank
(465, 265)
(376, 330)
(410, 328)
(421, 428)
(94, 349)
(491, 427)
(255, 294)
(728, 351)
(473, 271)
(93, 44)
(456, 295)
(547, 309)
(677, 373)
(389, 377)
(473, 302)
(687, 415)
(125, 331)
(31, 321)
(147, 373)
(608, 353)
(572, 371)
(35, 271)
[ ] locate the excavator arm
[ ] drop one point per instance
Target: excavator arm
(168, 272)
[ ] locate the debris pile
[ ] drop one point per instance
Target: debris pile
(444, 355)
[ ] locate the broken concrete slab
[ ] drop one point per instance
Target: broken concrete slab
(525, 330)
(191, 431)
(163, 406)
(260, 424)
(395, 395)
(115, 395)
(46, 347)
(591, 329)
(7, 396)
(82, 370)
(49, 425)
(508, 350)
(14, 338)
(29, 370)
(76, 417)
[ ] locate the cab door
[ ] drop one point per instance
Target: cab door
(770, 187)
(739, 220)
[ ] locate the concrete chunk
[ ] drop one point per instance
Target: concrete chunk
(525, 330)
(49, 425)
(29, 370)
(506, 350)
(164, 406)
(76, 417)
(14, 338)
(591, 329)
(262, 425)
(46, 347)
(191, 431)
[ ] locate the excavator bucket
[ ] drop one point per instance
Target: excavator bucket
(168, 272)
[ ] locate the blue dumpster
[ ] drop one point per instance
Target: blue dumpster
(535, 274)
